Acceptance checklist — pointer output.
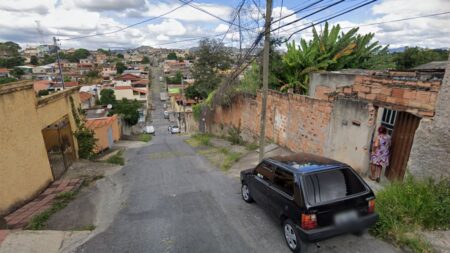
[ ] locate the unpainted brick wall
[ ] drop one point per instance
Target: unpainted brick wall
(413, 96)
(297, 122)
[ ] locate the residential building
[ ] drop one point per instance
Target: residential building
(36, 142)
(4, 72)
(107, 130)
(41, 85)
(87, 100)
(58, 86)
(42, 50)
(339, 116)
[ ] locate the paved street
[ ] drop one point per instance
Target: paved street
(176, 201)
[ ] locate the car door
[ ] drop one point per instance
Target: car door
(281, 196)
(260, 183)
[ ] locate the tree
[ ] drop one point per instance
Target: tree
(34, 60)
(67, 79)
(92, 73)
(177, 79)
(328, 50)
(212, 57)
(43, 93)
(48, 59)
(76, 56)
(120, 67)
(172, 56)
(4, 80)
(414, 56)
(128, 109)
(103, 51)
(107, 97)
(145, 60)
(11, 51)
(120, 56)
(17, 73)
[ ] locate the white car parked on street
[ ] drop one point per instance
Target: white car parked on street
(149, 130)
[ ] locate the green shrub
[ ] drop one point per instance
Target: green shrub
(409, 206)
(117, 158)
(234, 136)
(197, 111)
(86, 142)
(203, 139)
(145, 137)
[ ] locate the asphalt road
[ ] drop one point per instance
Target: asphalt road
(176, 201)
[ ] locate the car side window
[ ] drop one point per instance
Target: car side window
(284, 180)
(264, 171)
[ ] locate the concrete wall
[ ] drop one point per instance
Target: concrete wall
(331, 80)
(430, 154)
(24, 166)
(352, 127)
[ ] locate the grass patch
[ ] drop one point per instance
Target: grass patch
(116, 158)
(145, 137)
(405, 208)
(61, 201)
(89, 227)
(251, 146)
(230, 159)
(234, 136)
(197, 140)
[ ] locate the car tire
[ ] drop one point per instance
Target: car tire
(360, 232)
(245, 193)
(292, 237)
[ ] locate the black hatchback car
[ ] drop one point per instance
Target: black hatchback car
(314, 197)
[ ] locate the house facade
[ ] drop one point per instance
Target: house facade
(107, 130)
(36, 144)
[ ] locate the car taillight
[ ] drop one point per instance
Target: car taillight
(371, 207)
(309, 221)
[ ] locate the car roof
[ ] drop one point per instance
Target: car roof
(305, 163)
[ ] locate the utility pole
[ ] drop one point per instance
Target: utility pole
(59, 62)
(262, 125)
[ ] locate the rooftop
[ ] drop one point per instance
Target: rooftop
(304, 162)
(434, 65)
(100, 122)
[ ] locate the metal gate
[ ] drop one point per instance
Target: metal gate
(402, 140)
(58, 140)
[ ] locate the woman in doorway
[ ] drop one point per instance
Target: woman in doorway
(380, 154)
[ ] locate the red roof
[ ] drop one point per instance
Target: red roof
(130, 77)
(140, 91)
(41, 85)
(123, 88)
(85, 96)
(4, 70)
(66, 84)
(101, 122)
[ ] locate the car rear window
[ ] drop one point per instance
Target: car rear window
(331, 185)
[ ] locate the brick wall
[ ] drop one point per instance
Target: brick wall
(297, 122)
(410, 95)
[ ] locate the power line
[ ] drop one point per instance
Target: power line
(212, 15)
(335, 16)
(315, 12)
(132, 25)
(295, 12)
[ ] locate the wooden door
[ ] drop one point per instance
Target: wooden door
(402, 140)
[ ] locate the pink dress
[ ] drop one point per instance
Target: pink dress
(381, 155)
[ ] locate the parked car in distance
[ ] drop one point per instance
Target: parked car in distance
(149, 130)
(174, 129)
(166, 114)
(314, 197)
(164, 106)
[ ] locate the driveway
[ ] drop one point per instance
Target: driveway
(176, 201)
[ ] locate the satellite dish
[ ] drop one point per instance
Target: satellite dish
(109, 106)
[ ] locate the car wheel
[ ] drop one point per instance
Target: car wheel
(360, 232)
(245, 192)
(292, 237)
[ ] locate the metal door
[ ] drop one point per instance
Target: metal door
(402, 140)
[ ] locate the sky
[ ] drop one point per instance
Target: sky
(33, 22)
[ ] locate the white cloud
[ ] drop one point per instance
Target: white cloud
(162, 37)
(188, 13)
(110, 5)
(40, 6)
(169, 27)
(221, 28)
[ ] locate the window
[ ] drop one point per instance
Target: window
(135, 93)
(264, 171)
(331, 185)
(388, 119)
(284, 181)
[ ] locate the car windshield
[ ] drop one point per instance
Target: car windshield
(331, 185)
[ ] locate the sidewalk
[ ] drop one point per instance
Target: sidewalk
(20, 218)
